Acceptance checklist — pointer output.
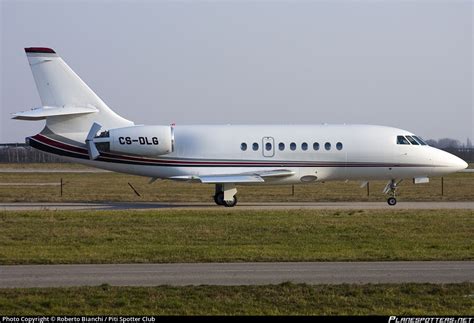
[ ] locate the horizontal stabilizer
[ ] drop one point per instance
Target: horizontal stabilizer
(44, 112)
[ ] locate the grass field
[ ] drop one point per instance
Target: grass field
(284, 299)
(114, 187)
(42, 237)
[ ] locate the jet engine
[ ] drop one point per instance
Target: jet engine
(136, 140)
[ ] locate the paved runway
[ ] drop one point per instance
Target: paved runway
(236, 273)
(241, 206)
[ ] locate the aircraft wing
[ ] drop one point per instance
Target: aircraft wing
(253, 177)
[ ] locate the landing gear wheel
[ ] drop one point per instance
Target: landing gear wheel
(227, 189)
(231, 203)
(219, 198)
(392, 201)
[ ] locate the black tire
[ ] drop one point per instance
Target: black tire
(392, 201)
(219, 198)
(231, 203)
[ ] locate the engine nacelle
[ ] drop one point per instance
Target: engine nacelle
(137, 140)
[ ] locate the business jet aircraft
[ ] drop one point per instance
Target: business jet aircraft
(82, 128)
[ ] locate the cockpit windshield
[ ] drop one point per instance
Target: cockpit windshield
(421, 141)
(413, 140)
(402, 140)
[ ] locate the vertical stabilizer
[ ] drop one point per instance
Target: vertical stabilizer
(58, 86)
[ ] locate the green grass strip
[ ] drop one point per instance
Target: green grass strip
(46, 237)
(283, 299)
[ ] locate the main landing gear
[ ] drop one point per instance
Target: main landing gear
(225, 195)
(390, 189)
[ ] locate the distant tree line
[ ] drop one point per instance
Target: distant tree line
(450, 143)
(453, 146)
(22, 153)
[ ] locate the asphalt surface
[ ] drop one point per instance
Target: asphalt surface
(241, 206)
(236, 273)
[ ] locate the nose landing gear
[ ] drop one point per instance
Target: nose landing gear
(390, 189)
(392, 201)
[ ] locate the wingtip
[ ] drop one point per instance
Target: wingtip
(39, 50)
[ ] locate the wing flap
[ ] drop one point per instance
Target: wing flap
(218, 179)
(255, 177)
(276, 173)
(185, 178)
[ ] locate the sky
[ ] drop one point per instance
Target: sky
(407, 64)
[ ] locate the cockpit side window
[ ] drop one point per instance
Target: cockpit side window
(421, 141)
(413, 141)
(402, 140)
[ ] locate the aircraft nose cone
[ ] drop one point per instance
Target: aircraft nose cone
(457, 163)
(446, 163)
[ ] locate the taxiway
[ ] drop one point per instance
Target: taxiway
(180, 274)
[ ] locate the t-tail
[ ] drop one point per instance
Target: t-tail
(69, 106)
(75, 114)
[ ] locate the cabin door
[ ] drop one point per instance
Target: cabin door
(268, 146)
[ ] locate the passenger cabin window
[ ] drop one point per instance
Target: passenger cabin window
(304, 146)
(402, 140)
(327, 146)
(339, 146)
(268, 146)
(420, 141)
(293, 146)
(255, 146)
(281, 146)
(413, 141)
(316, 146)
(243, 146)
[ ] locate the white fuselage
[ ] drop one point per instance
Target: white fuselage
(367, 153)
